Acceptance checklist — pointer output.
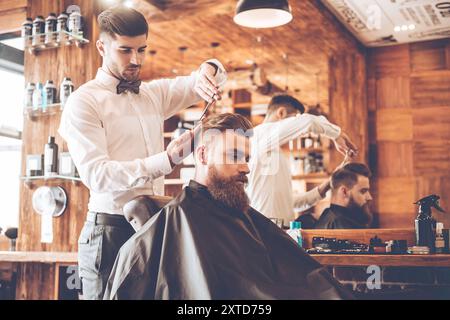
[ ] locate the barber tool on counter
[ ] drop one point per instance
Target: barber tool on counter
(323, 245)
(425, 224)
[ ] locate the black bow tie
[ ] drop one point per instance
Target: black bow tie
(132, 86)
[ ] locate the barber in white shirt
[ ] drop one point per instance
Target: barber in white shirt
(270, 181)
(113, 126)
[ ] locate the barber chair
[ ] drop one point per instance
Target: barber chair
(139, 210)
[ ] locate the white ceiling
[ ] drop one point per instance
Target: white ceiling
(388, 22)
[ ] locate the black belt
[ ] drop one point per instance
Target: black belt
(100, 218)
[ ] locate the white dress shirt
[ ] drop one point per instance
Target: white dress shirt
(270, 179)
(116, 141)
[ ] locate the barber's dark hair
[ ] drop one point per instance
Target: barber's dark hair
(225, 121)
(287, 101)
(122, 21)
(348, 175)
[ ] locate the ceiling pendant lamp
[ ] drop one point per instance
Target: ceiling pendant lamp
(262, 13)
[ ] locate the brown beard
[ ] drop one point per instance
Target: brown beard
(364, 215)
(228, 190)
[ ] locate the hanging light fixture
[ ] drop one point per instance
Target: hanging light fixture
(262, 13)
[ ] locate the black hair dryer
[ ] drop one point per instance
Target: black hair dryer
(424, 223)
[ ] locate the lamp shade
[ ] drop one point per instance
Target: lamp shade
(262, 13)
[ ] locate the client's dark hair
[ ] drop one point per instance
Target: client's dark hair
(122, 21)
(348, 175)
(283, 100)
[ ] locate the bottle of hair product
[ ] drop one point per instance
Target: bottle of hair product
(38, 31)
(49, 94)
(439, 242)
(61, 28)
(295, 232)
(65, 91)
(51, 158)
(27, 32)
(38, 96)
(50, 30)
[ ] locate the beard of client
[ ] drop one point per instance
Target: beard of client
(208, 243)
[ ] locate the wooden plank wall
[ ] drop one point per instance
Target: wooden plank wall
(4, 243)
(81, 65)
(348, 102)
(12, 14)
(409, 124)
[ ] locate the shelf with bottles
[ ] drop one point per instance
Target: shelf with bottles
(316, 177)
(66, 39)
(50, 110)
(55, 31)
(42, 100)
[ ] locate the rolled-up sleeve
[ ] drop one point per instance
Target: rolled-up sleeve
(85, 136)
(287, 129)
(179, 93)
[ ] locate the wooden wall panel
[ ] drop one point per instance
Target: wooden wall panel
(394, 125)
(12, 4)
(392, 92)
(430, 55)
(431, 123)
(4, 243)
(35, 281)
(431, 90)
(386, 167)
(411, 134)
(371, 94)
(11, 20)
(81, 65)
(432, 158)
(389, 62)
(396, 194)
(348, 101)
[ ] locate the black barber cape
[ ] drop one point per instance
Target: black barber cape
(338, 217)
(198, 248)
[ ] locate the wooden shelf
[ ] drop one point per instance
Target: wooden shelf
(31, 181)
(386, 260)
(39, 257)
(303, 150)
(312, 177)
(50, 110)
(244, 105)
(173, 182)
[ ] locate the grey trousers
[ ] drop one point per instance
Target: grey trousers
(98, 246)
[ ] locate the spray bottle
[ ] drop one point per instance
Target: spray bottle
(424, 222)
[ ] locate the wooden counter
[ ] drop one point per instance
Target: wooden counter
(38, 274)
(407, 260)
(38, 257)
